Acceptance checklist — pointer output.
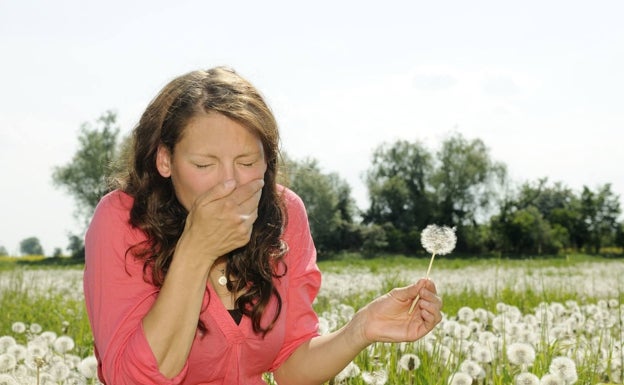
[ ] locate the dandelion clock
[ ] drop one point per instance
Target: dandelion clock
(437, 240)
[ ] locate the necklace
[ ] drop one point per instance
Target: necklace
(222, 279)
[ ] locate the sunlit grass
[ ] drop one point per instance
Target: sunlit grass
(50, 295)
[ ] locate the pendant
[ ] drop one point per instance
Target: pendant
(222, 279)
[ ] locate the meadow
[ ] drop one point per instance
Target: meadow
(532, 321)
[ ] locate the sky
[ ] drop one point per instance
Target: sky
(539, 82)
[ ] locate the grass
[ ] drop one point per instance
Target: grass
(47, 291)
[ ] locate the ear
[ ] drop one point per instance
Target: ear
(163, 161)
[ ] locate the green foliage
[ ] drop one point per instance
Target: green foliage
(329, 205)
(85, 177)
(547, 219)
(31, 246)
(398, 188)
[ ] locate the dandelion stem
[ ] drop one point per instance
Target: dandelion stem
(430, 264)
(411, 309)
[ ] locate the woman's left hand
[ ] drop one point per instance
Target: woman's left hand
(387, 318)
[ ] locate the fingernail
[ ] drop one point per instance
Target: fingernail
(228, 184)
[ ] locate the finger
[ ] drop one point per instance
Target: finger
(248, 194)
(219, 191)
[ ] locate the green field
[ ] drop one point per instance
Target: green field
(550, 312)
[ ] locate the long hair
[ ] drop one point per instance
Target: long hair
(156, 209)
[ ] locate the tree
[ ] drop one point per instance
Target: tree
(3, 251)
(465, 184)
(85, 177)
(76, 247)
(400, 199)
(599, 216)
(329, 205)
(31, 246)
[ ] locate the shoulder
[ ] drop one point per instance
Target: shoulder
(293, 203)
(112, 210)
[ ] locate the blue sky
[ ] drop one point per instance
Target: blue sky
(540, 82)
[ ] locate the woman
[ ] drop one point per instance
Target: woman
(200, 268)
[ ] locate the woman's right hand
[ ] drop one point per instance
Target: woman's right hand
(220, 221)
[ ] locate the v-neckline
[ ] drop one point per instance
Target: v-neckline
(217, 310)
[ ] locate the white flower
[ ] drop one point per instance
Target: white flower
(520, 353)
(18, 327)
(35, 328)
(409, 362)
(465, 314)
(527, 378)
(7, 379)
(18, 351)
(6, 342)
(36, 349)
(59, 371)
(460, 378)
(565, 368)
(63, 344)
(7, 362)
(482, 354)
(48, 336)
(551, 379)
(378, 377)
(438, 240)
(350, 371)
(472, 368)
(47, 379)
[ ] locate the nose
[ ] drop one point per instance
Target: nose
(228, 172)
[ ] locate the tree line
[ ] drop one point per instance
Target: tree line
(409, 186)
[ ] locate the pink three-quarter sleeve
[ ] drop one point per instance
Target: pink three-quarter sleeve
(117, 298)
(304, 280)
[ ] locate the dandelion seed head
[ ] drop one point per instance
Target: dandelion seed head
(7, 362)
(520, 353)
(551, 379)
(6, 342)
(378, 377)
(7, 379)
(48, 336)
(63, 344)
(482, 354)
(438, 240)
(59, 371)
(409, 362)
(460, 378)
(465, 314)
(565, 368)
(46, 379)
(350, 371)
(18, 351)
(527, 378)
(35, 328)
(88, 367)
(472, 368)
(18, 327)
(35, 351)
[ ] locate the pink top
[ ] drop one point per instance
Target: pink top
(118, 298)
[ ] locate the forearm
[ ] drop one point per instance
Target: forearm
(171, 323)
(320, 359)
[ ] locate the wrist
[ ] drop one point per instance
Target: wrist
(356, 330)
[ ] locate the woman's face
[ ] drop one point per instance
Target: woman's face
(212, 150)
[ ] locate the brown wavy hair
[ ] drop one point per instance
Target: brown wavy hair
(156, 209)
